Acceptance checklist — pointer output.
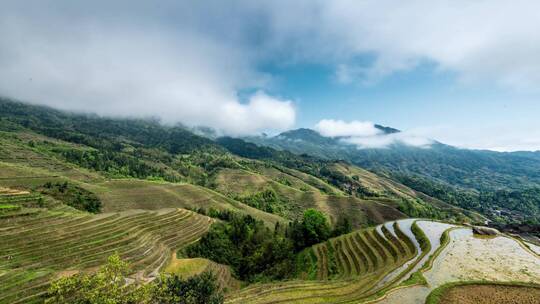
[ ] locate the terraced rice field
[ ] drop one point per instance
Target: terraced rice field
(127, 194)
(486, 294)
(13, 201)
(14, 196)
(189, 267)
(470, 258)
(382, 264)
(299, 196)
(36, 249)
(348, 269)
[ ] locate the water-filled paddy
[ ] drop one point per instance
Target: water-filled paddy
(467, 258)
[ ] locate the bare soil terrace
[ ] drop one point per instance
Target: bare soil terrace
(487, 294)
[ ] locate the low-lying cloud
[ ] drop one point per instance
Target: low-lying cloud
(340, 128)
(189, 61)
(387, 140)
(76, 57)
(366, 135)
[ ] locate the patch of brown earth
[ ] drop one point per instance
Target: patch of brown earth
(487, 294)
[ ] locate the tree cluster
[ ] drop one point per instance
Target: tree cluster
(72, 195)
(110, 285)
(256, 252)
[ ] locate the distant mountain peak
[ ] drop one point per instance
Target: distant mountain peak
(310, 135)
(307, 135)
(386, 130)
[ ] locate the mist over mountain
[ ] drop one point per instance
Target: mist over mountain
(263, 152)
(468, 168)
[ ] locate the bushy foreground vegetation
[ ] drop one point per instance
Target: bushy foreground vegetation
(110, 285)
(256, 252)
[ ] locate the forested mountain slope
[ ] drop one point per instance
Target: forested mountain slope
(503, 186)
(130, 164)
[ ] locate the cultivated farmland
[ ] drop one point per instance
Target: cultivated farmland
(34, 250)
(398, 262)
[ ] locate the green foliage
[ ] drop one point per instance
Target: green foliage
(348, 184)
(315, 227)
(306, 263)
(225, 215)
(331, 257)
(248, 246)
(199, 289)
(72, 195)
(114, 164)
(417, 278)
(266, 200)
(255, 252)
(521, 205)
(343, 226)
(108, 285)
(8, 207)
(421, 237)
(419, 209)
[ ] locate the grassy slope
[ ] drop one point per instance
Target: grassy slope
(27, 167)
(392, 191)
(300, 194)
(24, 167)
(126, 194)
(190, 267)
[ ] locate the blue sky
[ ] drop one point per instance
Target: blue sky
(423, 99)
(462, 72)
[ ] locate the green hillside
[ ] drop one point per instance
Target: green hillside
(125, 161)
(502, 186)
(75, 189)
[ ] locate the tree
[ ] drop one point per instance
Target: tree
(109, 286)
(106, 286)
(343, 226)
(315, 227)
(199, 289)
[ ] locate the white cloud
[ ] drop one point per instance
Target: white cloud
(492, 41)
(365, 135)
(335, 128)
(262, 112)
(521, 136)
(187, 61)
(386, 140)
(83, 61)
